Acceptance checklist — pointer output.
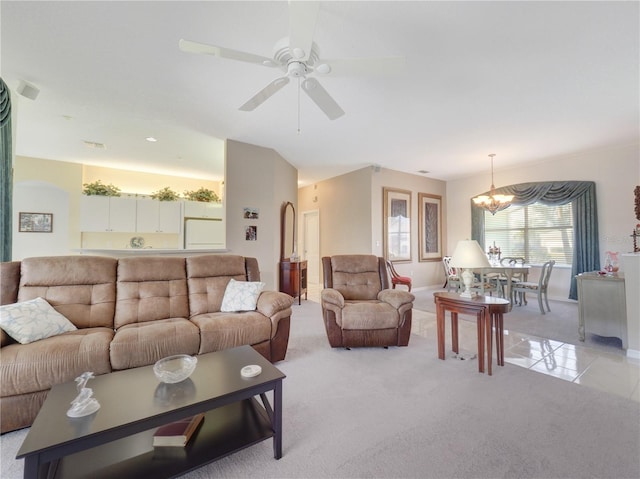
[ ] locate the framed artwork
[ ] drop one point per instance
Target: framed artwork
(397, 224)
(251, 213)
(251, 233)
(430, 227)
(35, 222)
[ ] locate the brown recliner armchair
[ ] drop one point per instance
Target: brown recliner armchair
(358, 307)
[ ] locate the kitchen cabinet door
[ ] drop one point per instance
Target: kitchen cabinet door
(107, 213)
(158, 216)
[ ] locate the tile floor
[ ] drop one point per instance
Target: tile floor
(589, 367)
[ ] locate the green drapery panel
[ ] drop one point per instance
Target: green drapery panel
(586, 248)
(6, 173)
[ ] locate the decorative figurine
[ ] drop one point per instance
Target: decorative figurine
(84, 404)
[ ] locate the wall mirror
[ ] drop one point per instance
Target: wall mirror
(287, 231)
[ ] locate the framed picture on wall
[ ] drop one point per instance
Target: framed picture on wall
(430, 227)
(397, 224)
(35, 222)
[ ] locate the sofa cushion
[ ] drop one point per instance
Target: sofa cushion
(369, 315)
(207, 278)
(151, 288)
(241, 296)
(82, 288)
(37, 366)
(30, 321)
(142, 344)
(356, 277)
(220, 331)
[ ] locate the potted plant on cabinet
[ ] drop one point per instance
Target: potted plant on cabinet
(203, 194)
(97, 188)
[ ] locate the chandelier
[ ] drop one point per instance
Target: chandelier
(493, 203)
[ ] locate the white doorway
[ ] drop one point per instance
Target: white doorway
(311, 245)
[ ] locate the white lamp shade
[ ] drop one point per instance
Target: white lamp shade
(469, 254)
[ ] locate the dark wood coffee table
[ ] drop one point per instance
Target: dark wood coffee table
(116, 441)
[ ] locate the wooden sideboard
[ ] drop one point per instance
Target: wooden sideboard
(293, 279)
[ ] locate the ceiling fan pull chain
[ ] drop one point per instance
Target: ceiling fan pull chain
(298, 105)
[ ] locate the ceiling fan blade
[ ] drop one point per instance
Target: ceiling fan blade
(260, 97)
(364, 66)
(221, 52)
(320, 97)
(302, 24)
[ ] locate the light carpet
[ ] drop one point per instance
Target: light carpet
(402, 413)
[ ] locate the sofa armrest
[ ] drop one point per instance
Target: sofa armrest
(330, 296)
(270, 303)
(5, 339)
(395, 297)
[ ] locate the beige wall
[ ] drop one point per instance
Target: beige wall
(615, 170)
(344, 203)
(257, 177)
(351, 208)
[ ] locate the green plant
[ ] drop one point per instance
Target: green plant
(165, 194)
(203, 194)
(97, 188)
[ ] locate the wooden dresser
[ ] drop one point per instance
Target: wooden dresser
(293, 279)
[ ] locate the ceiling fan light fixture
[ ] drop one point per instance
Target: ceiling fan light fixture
(323, 68)
(297, 52)
(493, 203)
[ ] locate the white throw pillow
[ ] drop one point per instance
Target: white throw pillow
(29, 321)
(241, 296)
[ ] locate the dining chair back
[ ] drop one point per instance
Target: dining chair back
(540, 288)
(452, 280)
(397, 278)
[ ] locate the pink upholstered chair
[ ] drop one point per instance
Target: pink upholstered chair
(396, 278)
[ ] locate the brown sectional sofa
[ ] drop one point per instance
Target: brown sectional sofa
(129, 312)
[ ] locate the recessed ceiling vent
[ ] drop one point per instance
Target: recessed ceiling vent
(95, 145)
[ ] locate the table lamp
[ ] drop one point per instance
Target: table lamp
(467, 256)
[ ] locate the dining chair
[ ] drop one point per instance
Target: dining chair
(516, 276)
(539, 288)
(452, 280)
(397, 278)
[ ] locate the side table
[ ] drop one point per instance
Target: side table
(488, 310)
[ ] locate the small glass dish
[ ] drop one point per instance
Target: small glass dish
(174, 369)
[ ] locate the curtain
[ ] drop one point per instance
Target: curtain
(6, 173)
(582, 195)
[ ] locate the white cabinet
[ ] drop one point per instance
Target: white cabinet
(107, 213)
(155, 216)
(200, 209)
(602, 306)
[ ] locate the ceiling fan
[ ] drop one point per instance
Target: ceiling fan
(298, 56)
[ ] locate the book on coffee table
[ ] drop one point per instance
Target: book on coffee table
(177, 433)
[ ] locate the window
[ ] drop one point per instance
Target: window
(536, 232)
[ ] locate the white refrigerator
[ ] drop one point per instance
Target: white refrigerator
(204, 234)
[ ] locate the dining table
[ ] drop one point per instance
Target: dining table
(506, 272)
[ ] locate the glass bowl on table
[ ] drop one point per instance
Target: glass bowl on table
(174, 369)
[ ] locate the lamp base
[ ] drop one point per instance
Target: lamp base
(467, 280)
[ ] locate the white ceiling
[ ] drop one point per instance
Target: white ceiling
(524, 80)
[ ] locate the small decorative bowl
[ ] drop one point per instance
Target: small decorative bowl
(174, 369)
